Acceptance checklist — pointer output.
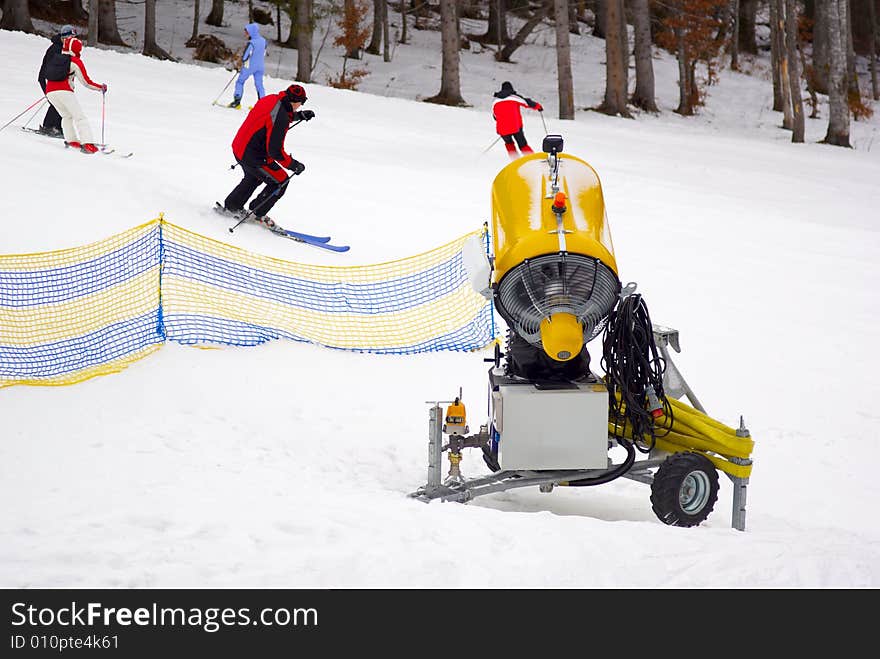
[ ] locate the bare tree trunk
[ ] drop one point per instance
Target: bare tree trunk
(794, 71)
(747, 41)
(623, 35)
(685, 108)
(519, 39)
(496, 27)
(215, 17)
(376, 39)
(450, 80)
(643, 96)
(16, 16)
(108, 30)
(403, 10)
(151, 48)
(599, 21)
(292, 13)
(734, 38)
(563, 60)
(78, 11)
(838, 117)
(814, 100)
(615, 61)
(777, 14)
(386, 49)
(195, 31)
(821, 58)
(872, 12)
(94, 10)
(852, 76)
(304, 40)
(778, 102)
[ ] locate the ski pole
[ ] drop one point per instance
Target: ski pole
(543, 122)
(103, 114)
(27, 123)
(250, 212)
(39, 100)
(214, 102)
(491, 145)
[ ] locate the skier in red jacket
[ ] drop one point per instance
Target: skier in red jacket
(508, 122)
(258, 147)
(61, 70)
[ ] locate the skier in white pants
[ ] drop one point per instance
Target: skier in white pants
(61, 71)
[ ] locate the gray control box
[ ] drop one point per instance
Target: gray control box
(551, 428)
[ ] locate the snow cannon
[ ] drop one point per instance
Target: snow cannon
(552, 422)
(555, 277)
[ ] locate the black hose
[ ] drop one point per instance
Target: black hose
(611, 475)
(634, 374)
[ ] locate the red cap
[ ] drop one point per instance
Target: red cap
(71, 46)
(296, 94)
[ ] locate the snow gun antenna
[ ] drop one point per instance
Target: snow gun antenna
(552, 146)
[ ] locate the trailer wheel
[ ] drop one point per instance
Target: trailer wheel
(684, 490)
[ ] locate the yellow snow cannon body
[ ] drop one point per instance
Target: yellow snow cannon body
(555, 276)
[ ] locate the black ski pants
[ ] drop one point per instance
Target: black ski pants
(52, 118)
(519, 136)
(272, 175)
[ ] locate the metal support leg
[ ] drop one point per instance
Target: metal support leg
(435, 448)
(738, 518)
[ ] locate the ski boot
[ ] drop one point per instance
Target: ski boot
(50, 132)
(236, 103)
(269, 223)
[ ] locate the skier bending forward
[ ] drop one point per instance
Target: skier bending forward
(258, 147)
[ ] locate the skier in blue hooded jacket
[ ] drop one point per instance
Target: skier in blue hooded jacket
(252, 64)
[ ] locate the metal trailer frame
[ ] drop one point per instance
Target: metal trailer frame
(459, 489)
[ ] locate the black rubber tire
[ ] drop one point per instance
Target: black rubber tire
(684, 490)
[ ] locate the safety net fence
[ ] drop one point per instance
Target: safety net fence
(69, 315)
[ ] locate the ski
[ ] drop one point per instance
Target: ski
(39, 132)
(292, 235)
(307, 236)
(107, 151)
(297, 236)
(111, 151)
(229, 107)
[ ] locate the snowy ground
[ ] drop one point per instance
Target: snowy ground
(288, 465)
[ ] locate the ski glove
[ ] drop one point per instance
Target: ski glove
(296, 167)
(303, 115)
(104, 88)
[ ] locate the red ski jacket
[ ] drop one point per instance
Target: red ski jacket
(77, 70)
(260, 139)
(505, 111)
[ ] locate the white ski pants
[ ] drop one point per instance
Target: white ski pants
(73, 120)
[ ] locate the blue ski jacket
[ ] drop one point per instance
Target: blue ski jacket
(254, 57)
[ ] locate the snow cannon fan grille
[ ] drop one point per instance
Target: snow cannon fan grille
(568, 283)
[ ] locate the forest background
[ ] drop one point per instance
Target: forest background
(814, 53)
